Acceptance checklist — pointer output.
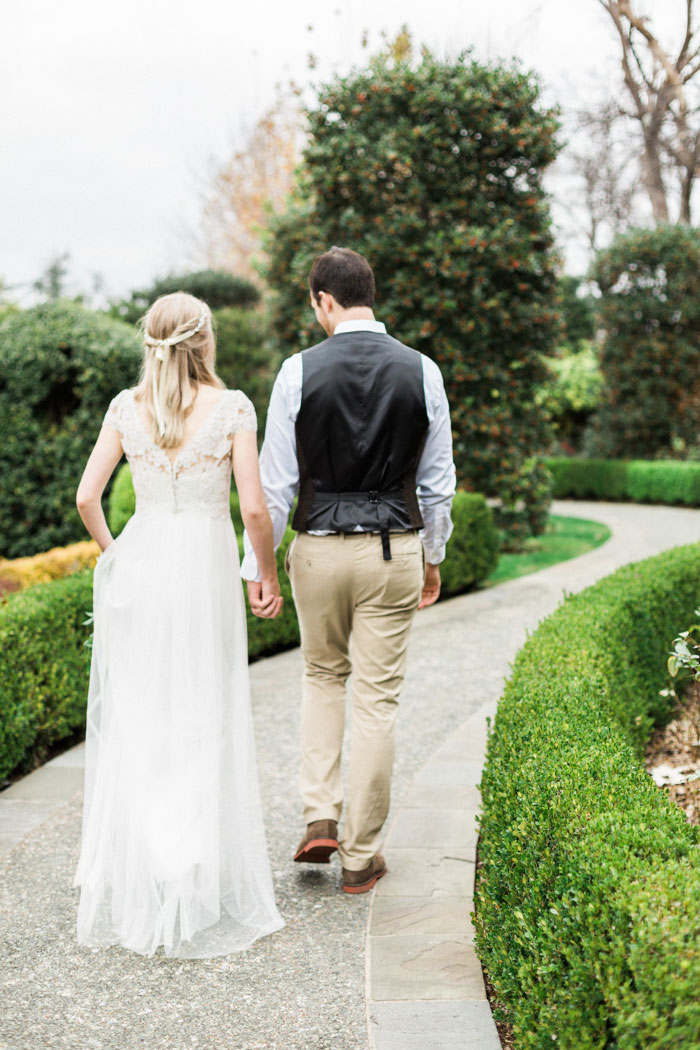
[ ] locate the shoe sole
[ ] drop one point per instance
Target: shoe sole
(365, 887)
(318, 851)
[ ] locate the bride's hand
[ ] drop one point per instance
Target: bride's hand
(265, 598)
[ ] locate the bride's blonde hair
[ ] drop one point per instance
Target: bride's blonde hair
(179, 349)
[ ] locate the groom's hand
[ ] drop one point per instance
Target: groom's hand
(265, 598)
(431, 586)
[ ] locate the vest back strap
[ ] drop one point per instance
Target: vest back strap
(372, 497)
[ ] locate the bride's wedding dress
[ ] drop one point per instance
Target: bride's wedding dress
(173, 849)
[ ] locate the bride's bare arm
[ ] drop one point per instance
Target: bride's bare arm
(265, 599)
(98, 470)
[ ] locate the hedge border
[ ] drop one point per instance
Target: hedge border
(587, 899)
(642, 481)
(44, 667)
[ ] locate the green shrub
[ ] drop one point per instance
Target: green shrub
(650, 312)
(270, 636)
(121, 500)
(60, 366)
(587, 910)
(523, 509)
(472, 552)
(44, 669)
(217, 288)
(644, 481)
(572, 393)
(245, 356)
(434, 171)
(577, 312)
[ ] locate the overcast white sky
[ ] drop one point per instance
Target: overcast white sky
(111, 111)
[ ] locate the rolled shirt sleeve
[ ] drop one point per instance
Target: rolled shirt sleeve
(436, 476)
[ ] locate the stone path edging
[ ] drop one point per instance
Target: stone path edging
(30, 801)
(425, 988)
(425, 985)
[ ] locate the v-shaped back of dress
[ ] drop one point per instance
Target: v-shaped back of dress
(199, 478)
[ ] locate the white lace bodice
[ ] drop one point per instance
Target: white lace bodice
(199, 479)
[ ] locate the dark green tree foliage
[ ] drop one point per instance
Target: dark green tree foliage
(650, 311)
(59, 367)
(246, 358)
(577, 311)
(434, 173)
(217, 288)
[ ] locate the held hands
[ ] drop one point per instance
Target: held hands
(265, 598)
(431, 586)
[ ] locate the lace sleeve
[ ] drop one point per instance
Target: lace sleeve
(242, 413)
(115, 414)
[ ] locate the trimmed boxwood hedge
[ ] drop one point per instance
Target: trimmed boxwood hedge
(44, 666)
(588, 889)
(472, 553)
(640, 480)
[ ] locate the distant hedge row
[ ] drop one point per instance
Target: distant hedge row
(472, 553)
(588, 911)
(44, 666)
(639, 480)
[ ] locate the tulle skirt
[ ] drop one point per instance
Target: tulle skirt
(173, 850)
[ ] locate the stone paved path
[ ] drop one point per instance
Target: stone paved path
(394, 970)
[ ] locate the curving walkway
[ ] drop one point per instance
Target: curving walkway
(392, 970)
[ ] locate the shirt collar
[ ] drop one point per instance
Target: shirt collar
(360, 326)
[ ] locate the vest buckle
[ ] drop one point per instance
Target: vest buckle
(373, 496)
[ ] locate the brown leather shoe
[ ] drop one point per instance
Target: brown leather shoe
(320, 840)
(363, 881)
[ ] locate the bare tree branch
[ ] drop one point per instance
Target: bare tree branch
(604, 167)
(682, 54)
(248, 187)
(693, 70)
(658, 87)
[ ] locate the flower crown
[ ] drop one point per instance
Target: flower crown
(161, 345)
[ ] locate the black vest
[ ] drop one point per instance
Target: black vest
(360, 432)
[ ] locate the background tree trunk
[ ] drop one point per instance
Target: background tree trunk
(660, 88)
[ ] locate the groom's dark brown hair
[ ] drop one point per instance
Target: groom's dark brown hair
(344, 274)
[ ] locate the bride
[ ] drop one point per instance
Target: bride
(173, 849)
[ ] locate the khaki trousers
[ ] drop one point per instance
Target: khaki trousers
(343, 588)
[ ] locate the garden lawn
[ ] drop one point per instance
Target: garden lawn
(563, 538)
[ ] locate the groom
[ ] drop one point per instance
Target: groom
(359, 427)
